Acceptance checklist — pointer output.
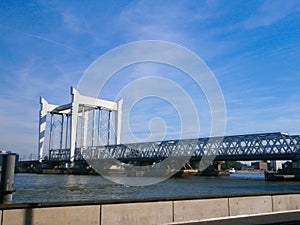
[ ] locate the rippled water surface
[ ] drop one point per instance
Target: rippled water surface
(55, 188)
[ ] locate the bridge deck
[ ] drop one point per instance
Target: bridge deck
(264, 146)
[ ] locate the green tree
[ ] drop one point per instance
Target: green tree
(231, 164)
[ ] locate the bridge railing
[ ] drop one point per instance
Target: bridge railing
(64, 154)
(267, 143)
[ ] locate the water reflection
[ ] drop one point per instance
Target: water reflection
(54, 188)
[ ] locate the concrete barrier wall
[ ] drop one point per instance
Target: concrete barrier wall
(200, 209)
(286, 202)
(137, 213)
(73, 215)
(146, 212)
(250, 205)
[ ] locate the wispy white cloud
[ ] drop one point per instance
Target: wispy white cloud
(271, 12)
(73, 22)
(18, 119)
(271, 115)
(39, 37)
(144, 20)
(47, 60)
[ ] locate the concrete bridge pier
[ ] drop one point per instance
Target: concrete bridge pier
(296, 163)
(218, 165)
(215, 169)
(296, 168)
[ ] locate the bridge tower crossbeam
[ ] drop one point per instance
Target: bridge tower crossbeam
(79, 107)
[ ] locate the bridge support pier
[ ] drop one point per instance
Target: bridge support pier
(296, 163)
(215, 169)
(218, 165)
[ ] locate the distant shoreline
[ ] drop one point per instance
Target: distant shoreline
(249, 171)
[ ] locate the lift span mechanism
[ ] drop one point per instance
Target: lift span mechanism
(80, 121)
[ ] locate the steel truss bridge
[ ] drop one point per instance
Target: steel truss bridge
(80, 128)
(264, 146)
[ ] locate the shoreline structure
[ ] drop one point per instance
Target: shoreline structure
(262, 208)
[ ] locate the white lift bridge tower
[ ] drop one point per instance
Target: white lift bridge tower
(82, 123)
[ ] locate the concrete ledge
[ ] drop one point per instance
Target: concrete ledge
(286, 202)
(151, 211)
(250, 205)
(200, 209)
(291, 217)
(137, 200)
(137, 213)
(76, 215)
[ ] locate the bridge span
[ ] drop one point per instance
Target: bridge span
(90, 128)
(263, 146)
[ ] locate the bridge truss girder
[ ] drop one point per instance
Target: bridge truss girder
(264, 146)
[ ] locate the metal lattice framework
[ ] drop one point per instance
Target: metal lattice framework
(271, 146)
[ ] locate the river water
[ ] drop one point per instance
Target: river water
(55, 188)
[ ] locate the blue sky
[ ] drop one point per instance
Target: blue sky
(253, 48)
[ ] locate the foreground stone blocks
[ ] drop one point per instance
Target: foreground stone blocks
(73, 215)
(137, 213)
(150, 212)
(250, 205)
(200, 209)
(286, 202)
